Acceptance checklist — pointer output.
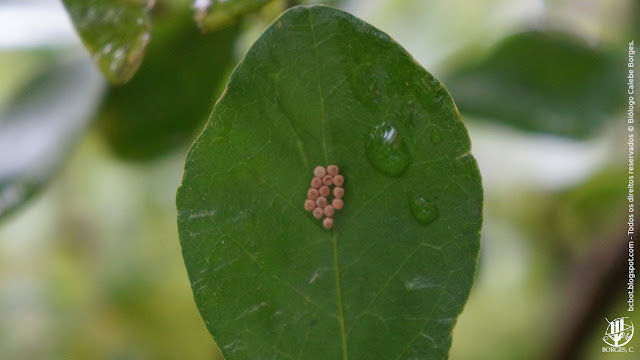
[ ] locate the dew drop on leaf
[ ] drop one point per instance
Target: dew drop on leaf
(387, 151)
(423, 211)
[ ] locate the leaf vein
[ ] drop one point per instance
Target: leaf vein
(334, 238)
(384, 286)
(274, 276)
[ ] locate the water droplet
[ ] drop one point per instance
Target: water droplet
(114, 66)
(118, 54)
(110, 15)
(387, 151)
(423, 210)
(107, 49)
(434, 135)
(202, 5)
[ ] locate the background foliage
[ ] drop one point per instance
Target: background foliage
(90, 267)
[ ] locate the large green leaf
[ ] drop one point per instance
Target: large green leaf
(116, 33)
(389, 280)
(546, 82)
(39, 124)
(170, 98)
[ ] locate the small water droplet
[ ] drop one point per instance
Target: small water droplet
(110, 15)
(387, 151)
(202, 5)
(114, 66)
(424, 211)
(118, 54)
(434, 135)
(107, 49)
(90, 15)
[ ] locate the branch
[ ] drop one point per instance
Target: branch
(595, 285)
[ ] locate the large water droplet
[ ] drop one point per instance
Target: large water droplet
(387, 151)
(424, 211)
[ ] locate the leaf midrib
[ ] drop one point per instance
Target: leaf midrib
(334, 236)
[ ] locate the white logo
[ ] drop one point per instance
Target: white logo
(619, 332)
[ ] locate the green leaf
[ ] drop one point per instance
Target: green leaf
(40, 124)
(388, 281)
(172, 94)
(116, 33)
(544, 82)
(214, 15)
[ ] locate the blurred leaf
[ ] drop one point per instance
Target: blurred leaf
(588, 211)
(116, 33)
(17, 67)
(543, 82)
(389, 280)
(39, 125)
(217, 14)
(172, 94)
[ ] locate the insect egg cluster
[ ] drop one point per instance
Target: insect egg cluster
(319, 194)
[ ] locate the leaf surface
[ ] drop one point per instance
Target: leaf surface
(322, 87)
(39, 125)
(116, 33)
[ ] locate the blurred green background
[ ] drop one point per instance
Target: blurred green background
(91, 268)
